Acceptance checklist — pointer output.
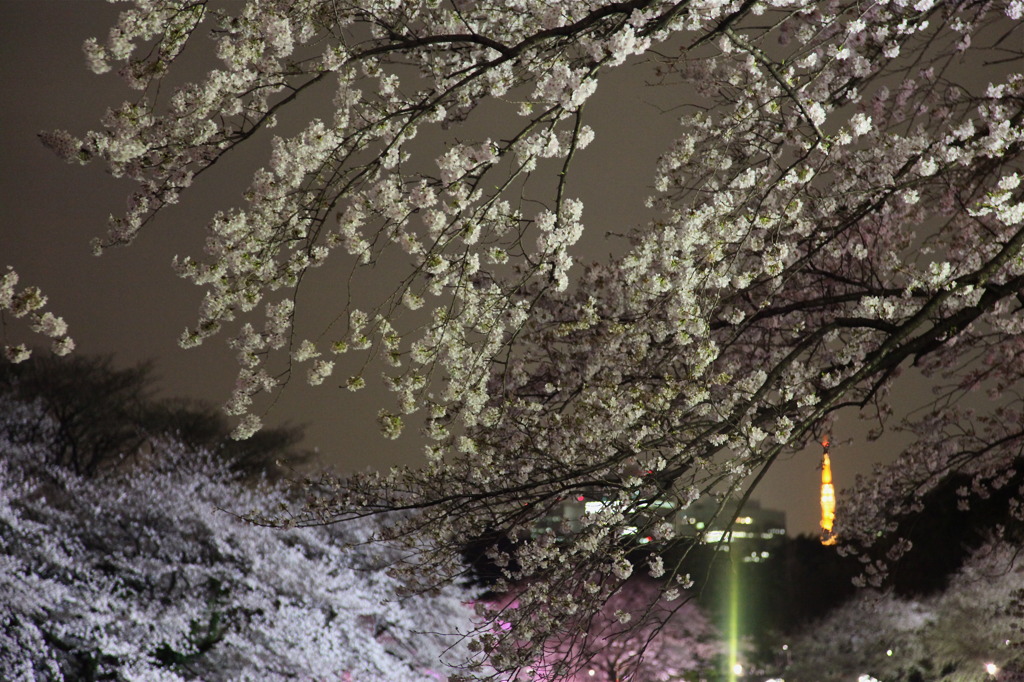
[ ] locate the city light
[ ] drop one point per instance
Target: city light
(733, 667)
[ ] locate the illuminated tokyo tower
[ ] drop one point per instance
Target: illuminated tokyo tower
(828, 497)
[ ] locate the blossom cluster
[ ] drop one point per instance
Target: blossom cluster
(635, 634)
(28, 303)
(143, 573)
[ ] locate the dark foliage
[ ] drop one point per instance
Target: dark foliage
(948, 528)
(96, 415)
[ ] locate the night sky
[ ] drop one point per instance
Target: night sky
(129, 303)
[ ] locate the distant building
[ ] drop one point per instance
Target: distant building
(755, 533)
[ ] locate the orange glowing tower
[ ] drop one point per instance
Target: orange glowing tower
(828, 497)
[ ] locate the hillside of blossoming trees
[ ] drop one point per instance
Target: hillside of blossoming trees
(839, 209)
(143, 571)
(968, 631)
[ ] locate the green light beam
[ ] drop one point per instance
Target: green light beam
(733, 629)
